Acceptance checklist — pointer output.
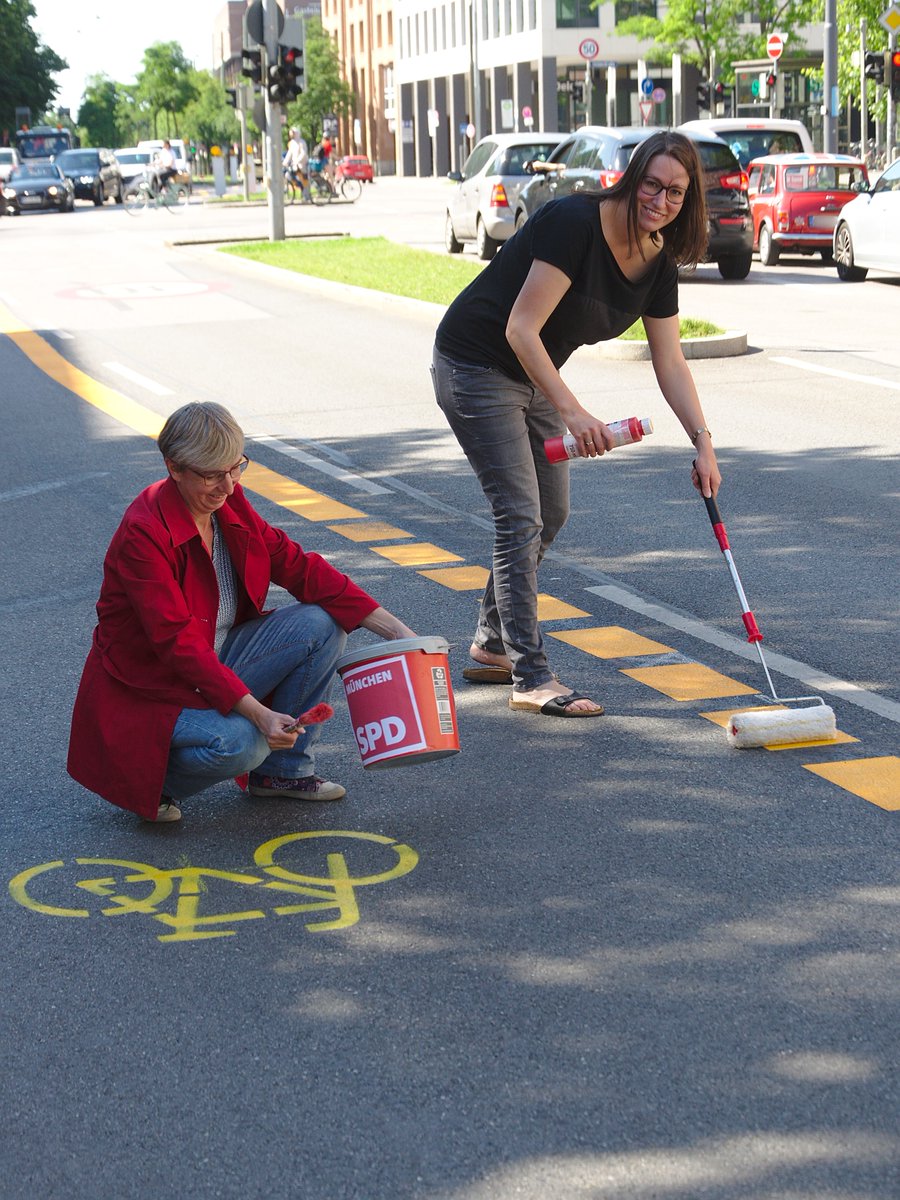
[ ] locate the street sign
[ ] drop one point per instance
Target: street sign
(646, 86)
(254, 20)
(774, 46)
(658, 95)
(646, 110)
(589, 49)
(890, 19)
(527, 117)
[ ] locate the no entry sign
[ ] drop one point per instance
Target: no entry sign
(774, 46)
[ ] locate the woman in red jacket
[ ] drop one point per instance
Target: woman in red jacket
(190, 681)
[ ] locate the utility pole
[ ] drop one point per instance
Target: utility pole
(830, 57)
(274, 180)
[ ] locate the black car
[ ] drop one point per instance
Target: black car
(37, 186)
(596, 156)
(95, 174)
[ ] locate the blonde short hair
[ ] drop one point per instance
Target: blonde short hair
(203, 435)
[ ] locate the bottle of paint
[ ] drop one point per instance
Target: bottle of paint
(632, 429)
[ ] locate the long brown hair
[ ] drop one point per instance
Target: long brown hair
(685, 238)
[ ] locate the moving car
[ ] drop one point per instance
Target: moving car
(355, 166)
(94, 173)
(795, 200)
(9, 159)
(867, 234)
(482, 208)
(37, 186)
(596, 156)
(753, 137)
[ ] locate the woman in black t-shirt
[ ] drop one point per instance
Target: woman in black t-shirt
(581, 270)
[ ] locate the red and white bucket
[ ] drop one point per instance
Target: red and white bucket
(400, 701)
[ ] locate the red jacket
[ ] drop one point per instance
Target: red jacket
(152, 652)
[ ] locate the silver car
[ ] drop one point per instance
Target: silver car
(867, 235)
(483, 204)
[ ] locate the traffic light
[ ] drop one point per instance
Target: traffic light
(895, 75)
(231, 93)
(875, 65)
(290, 59)
(252, 65)
(770, 79)
(703, 94)
(578, 93)
(719, 90)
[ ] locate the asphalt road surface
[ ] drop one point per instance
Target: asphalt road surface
(612, 959)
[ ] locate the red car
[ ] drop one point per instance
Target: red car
(355, 166)
(795, 200)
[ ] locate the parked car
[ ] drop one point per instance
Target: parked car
(596, 156)
(9, 159)
(135, 165)
(95, 174)
(482, 208)
(355, 166)
(754, 137)
(795, 200)
(182, 162)
(36, 186)
(867, 234)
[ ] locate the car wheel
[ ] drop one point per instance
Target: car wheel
(768, 248)
(735, 266)
(452, 245)
(120, 193)
(98, 195)
(521, 218)
(486, 246)
(843, 257)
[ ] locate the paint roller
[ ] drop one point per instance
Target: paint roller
(778, 726)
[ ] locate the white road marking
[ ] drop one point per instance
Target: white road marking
(36, 488)
(326, 468)
(870, 380)
(149, 385)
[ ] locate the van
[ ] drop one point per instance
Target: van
(154, 145)
(755, 137)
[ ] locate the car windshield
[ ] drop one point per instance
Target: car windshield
(757, 143)
(79, 160)
(6, 156)
(716, 158)
(42, 145)
(131, 159)
(823, 177)
(36, 171)
(517, 156)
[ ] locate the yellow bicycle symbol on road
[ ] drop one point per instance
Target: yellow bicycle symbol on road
(174, 897)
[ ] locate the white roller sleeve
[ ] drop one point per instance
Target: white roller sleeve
(781, 726)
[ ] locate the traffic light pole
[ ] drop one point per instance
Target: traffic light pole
(274, 178)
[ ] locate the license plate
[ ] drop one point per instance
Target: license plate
(825, 223)
(26, 200)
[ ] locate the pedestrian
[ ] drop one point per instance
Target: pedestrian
(190, 680)
(296, 163)
(581, 270)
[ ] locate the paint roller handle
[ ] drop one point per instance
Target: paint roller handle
(715, 519)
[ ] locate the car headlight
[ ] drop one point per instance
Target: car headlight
(86, 179)
(52, 190)
(9, 193)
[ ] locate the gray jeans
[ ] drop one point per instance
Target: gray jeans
(501, 425)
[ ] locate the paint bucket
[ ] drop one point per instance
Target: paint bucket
(400, 701)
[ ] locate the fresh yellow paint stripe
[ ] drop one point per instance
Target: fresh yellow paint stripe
(874, 779)
(416, 554)
(723, 716)
(689, 681)
(459, 579)
(611, 641)
(51, 362)
(368, 531)
(551, 609)
(313, 506)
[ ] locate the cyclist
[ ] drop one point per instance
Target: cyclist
(296, 161)
(166, 170)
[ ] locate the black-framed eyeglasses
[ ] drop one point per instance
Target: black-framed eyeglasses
(210, 478)
(675, 193)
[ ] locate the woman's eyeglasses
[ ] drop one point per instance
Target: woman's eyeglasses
(210, 478)
(675, 194)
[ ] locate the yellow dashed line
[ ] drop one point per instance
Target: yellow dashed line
(611, 641)
(313, 506)
(874, 779)
(416, 554)
(459, 579)
(369, 531)
(689, 681)
(551, 609)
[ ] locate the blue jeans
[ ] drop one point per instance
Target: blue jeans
(289, 655)
(501, 425)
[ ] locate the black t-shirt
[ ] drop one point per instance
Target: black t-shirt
(600, 304)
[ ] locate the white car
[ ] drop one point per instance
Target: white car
(867, 235)
(9, 160)
(754, 137)
(179, 150)
(135, 165)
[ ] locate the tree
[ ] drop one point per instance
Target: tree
(325, 92)
(97, 114)
(27, 66)
(209, 118)
(165, 84)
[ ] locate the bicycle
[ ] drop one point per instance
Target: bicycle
(173, 197)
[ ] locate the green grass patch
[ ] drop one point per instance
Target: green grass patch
(690, 327)
(373, 263)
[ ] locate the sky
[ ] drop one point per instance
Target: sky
(110, 36)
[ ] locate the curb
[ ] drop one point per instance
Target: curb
(723, 345)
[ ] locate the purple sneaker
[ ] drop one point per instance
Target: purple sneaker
(311, 787)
